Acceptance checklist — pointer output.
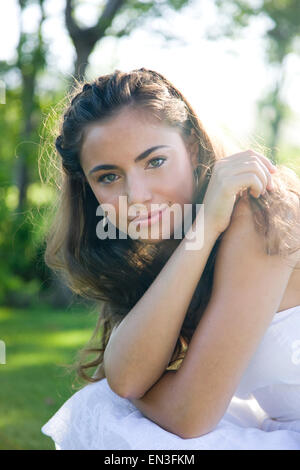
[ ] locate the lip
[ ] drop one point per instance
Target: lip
(149, 220)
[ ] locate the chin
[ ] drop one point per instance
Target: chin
(145, 239)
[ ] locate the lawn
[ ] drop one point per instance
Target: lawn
(33, 383)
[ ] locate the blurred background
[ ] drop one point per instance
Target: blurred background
(238, 64)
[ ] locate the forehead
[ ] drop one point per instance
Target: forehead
(132, 131)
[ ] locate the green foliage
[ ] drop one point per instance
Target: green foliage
(34, 381)
(281, 38)
(284, 16)
(22, 271)
(23, 274)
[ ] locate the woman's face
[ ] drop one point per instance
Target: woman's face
(149, 164)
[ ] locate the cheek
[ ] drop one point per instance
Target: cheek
(184, 183)
(104, 199)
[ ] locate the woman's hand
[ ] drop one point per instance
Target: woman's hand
(232, 175)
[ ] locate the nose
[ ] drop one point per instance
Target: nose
(138, 191)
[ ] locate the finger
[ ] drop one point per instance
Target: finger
(265, 160)
(244, 156)
(257, 168)
(268, 183)
(242, 181)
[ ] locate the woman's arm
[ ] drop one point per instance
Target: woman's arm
(247, 291)
(141, 346)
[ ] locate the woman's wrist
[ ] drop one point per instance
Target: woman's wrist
(202, 233)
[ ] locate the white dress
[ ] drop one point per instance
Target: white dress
(263, 414)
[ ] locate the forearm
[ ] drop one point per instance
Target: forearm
(219, 353)
(142, 345)
(247, 290)
(191, 401)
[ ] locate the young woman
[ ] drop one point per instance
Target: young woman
(189, 331)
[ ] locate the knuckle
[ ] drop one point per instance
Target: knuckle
(253, 159)
(256, 163)
(257, 158)
(255, 178)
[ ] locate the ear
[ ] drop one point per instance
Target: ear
(193, 147)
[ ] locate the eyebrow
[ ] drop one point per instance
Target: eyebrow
(142, 156)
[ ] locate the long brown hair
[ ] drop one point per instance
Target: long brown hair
(116, 273)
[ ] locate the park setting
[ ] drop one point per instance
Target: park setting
(238, 64)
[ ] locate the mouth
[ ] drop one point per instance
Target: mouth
(151, 218)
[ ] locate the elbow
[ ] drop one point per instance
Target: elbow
(117, 388)
(191, 432)
(124, 391)
(192, 435)
(121, 386)
(129, 395)
(185, 431)
(115, 385)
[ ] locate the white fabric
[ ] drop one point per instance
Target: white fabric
(273, 375)
(263, 414)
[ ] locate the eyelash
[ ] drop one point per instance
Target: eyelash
(101, 178)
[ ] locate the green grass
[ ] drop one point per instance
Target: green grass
(33, 383)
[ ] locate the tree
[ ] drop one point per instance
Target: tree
(22, 118)
(281, 39)
(130, 14)
(31, 60)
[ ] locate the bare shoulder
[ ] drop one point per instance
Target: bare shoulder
(242, 262)
(241, 231)
(242, 208)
